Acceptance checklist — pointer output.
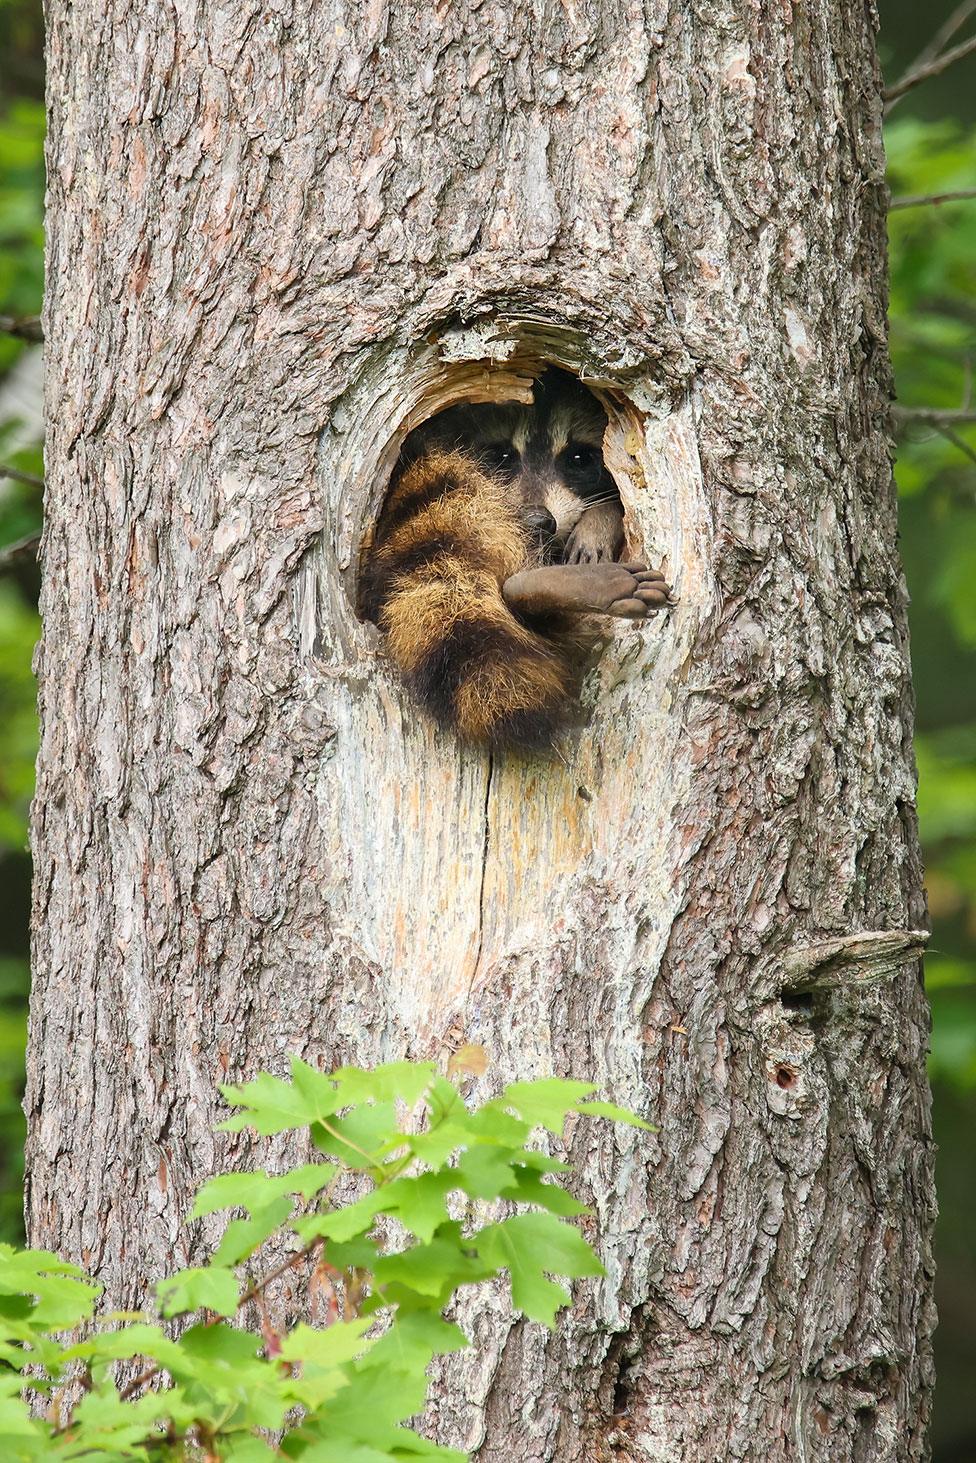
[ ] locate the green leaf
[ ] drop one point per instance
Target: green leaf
(340, 1450)
(542, 1162)
(451, 1125)
(546, 1102)
(358, 1254)
(436, 1269)
(246, 1450)
(254, 1191)
(103, 1417)
(530, 1246)
(63, 1297)
(436, 1147)
(324, 1355)
(226, 1380)
(494, 1123)
(243, 1236)
(16, 1421)
(378, 1399)
(486, 1172)
(413, 1339)
(341, 1224)
(136, 1340)
(359, 1138)
(342, 1341)
(407, 1081)
(527, 1187)
(617, 1114)
(402, 1445)
(320, 1090)
(272, 1105)
(504, 1173)
(210, 1288)
(419, 1202)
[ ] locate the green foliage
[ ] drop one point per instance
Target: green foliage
(21, 289)
(947, 812)
(933, 284)
(13, 1037)
(933, 343)
(19, 630)
(421, 1165)
(18, 743)
(21, 216)
(21, 278)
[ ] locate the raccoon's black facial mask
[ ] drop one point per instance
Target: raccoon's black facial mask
(550, 452)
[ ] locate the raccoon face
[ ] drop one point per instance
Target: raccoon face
(550, 453)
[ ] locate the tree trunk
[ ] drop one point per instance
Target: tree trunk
(280, 236)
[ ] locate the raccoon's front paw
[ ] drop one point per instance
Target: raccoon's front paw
(598, 537)
(584, 553)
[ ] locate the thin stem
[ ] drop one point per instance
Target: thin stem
(133, 1385)
(919, 200)
(11, 552)
(946, 32)
(933, 416)
(941, 38)
(931, 68)
(253, 1291)
(24, 327)
(15, 475)
(260, 1286)
(957, 441)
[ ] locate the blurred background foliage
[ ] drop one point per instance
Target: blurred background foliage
(931, 140)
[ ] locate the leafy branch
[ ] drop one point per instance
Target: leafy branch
(396, 1250)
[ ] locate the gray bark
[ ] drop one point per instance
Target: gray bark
(280, 236)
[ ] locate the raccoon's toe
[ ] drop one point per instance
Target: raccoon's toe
(581, 553)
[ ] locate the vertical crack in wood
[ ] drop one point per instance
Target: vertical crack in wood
(485, 851)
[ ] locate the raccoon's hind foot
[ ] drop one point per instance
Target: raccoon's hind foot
(628, 591)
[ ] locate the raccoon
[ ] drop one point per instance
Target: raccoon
(497, 543)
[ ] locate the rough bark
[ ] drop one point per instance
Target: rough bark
(280, 235)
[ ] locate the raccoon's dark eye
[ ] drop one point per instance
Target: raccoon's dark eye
(580, 454)
(499, 457)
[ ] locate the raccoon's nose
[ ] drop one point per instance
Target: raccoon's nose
(539, 520)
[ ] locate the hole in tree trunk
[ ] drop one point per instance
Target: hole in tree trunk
(802, 1002)
(486, 412)
(649, 448)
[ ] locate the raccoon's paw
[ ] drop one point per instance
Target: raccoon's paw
(627, 591)
(598, 537)
(584, 553)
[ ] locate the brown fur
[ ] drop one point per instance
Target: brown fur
(448, 539)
